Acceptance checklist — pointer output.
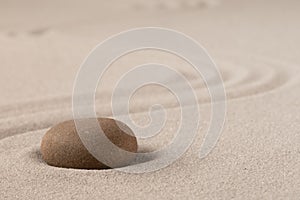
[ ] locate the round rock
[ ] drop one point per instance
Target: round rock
(61, 146)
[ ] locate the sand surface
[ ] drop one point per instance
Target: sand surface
(254, 43)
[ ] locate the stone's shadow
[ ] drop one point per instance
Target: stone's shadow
(145, 149)
(36, 156)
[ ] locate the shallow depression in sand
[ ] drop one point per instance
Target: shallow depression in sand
(258, 77)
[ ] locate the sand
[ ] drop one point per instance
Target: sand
(254, 43)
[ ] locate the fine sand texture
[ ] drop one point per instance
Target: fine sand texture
(256, 47)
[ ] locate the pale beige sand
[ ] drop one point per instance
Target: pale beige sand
(256, 46)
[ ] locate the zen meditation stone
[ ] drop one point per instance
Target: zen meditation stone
(62, 147)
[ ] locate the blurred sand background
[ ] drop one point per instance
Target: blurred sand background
(254, 43)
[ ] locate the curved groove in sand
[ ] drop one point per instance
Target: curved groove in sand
(240, 82)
